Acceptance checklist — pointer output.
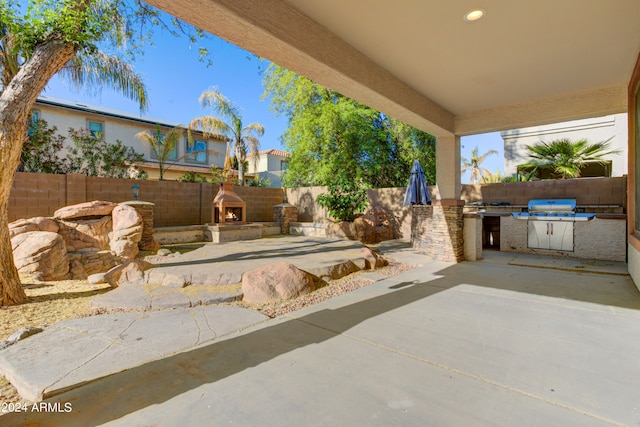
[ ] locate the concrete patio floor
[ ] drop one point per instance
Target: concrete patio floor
(473, 344)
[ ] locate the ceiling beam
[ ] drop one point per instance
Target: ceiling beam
(275, 30)
(555, 109)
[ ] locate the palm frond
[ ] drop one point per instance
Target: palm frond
(566, 157)
(210, 126)
(100, 70)
(212, 98)
(256, 128)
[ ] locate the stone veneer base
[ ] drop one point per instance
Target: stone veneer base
(437, 231)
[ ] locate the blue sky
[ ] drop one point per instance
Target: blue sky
(175, 79)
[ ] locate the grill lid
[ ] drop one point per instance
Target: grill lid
(552, 205)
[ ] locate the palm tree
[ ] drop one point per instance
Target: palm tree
(162, 145)
(241, 139)
(473, 164)
(566, 158)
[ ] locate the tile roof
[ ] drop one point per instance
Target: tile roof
(275, 152)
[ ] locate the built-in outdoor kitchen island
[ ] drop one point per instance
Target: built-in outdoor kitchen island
(593, 227)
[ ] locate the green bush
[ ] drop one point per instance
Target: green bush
(345, 198)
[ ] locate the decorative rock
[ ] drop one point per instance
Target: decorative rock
(38, 223)
(86, 234)
(333, 272)
(129, 272)
(163, 252)
(280, 280)
(19, 335)
(127, 231)
(373, 259)
(96, 279)
(372, 227)
(42, 254)
(125, 217)
(85, 262)
(87, 209)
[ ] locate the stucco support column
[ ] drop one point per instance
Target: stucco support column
(448, 167)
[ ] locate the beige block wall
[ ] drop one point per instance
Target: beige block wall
(176, 203)
(586, 191)
(34, 194)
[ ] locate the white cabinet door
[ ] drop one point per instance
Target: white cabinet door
(556, 235)
(561, 236)
(537, 235)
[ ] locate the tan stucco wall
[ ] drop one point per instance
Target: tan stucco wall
(116, 129)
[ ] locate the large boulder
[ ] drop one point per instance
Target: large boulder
(93, 209)
(92, 234)
(277, 281)
(85, 262)
(372, 258)
(38, 223)
(129, 272)
(374, 226)
(41, 254)
(127, 231)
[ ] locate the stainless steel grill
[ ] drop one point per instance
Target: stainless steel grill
(551, 223)
(553, 210)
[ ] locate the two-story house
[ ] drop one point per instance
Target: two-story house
(269, 165)
(112, 125)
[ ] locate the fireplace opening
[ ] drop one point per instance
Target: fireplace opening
(232, 214)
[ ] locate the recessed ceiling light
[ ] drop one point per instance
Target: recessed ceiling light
(474, 15)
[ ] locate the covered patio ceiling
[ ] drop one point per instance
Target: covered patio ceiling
(525, 63)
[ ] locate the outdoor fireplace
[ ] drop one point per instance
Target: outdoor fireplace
(228, 208)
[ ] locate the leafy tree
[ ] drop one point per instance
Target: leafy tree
(259, 181)
(162, 145)
(228, 122)
(87, 155)
(92, 156)
(40, 150)
(473, 164)
(39, 41)
(345, 198)
(332, 137)
(192, 177)
(565, 157)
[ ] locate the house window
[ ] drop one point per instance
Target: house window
(172, 155)
(196, 151)
(96, 129)
(35, 116)
(283, 165)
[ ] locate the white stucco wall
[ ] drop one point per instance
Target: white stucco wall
(594, 130)
(268, 166)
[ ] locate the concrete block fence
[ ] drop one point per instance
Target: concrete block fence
(182, 203)
(176, 203)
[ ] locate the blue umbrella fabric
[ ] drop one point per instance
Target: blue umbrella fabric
(417, 192)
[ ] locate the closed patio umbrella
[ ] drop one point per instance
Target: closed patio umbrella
(417, 192)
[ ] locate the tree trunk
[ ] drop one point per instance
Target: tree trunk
(240, 158)
(16, 103)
